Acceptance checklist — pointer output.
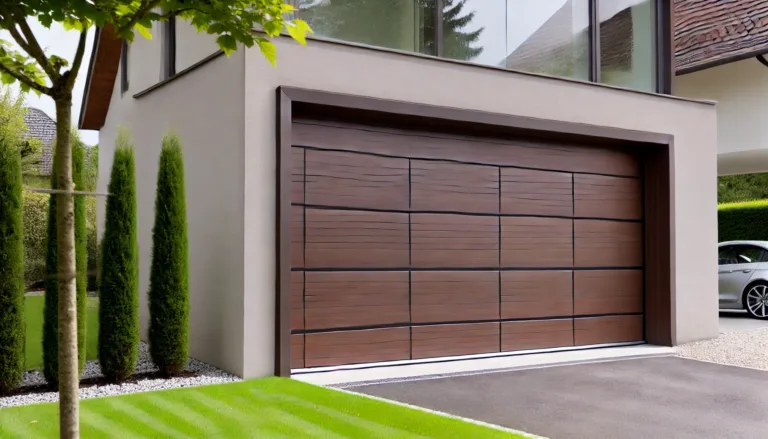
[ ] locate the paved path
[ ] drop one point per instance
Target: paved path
(650, 398)
(735, 321)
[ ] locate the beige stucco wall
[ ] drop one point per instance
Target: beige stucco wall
(742, 106)
(205, 108)
(359, 71)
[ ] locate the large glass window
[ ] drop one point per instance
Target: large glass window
(396, 24)
(554, 37)
(627, 43)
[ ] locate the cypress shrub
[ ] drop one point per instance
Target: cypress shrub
(12, 325)
(81, 250)
(169, 278)
(119, 308)
(51, 310)
(743, 221)
(51, 307)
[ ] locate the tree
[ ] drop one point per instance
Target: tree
(51, 309)
(119, 298)
(12, 326)
(169, 279)
(13, 129)
(24, 61)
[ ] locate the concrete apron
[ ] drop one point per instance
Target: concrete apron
(383, 373)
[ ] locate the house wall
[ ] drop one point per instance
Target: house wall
(205, 108)
(388, 75)
(742, 132)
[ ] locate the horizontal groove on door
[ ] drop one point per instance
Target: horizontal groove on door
(405, 268)
(459, 322)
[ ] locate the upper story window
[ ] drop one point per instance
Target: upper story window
(124, 67)
(608, 41)
(169, 48)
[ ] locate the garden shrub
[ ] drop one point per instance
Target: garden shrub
(743, 221)
(35, 219)
(12, 326)
(119, 300)
(51, 307)
(169, 278)
(51, 310)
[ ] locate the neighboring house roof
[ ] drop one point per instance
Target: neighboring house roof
(42, 127)
(714, 32)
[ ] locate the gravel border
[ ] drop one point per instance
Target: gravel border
(742, 348)
(206, 374)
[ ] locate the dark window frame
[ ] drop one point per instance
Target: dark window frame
(124, 59)
(169, 48)
(664, 56)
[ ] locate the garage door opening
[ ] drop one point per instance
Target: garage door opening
(412, 245)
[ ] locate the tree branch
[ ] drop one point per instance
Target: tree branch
(21, 78)
(78, 55)
(34, 48)
(138, 15)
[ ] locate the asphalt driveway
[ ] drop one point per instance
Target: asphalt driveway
(665, 397)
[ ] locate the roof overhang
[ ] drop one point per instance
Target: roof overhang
(102, 71)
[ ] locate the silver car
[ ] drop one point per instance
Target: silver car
(743, 276)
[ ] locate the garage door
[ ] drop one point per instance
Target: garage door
(412, 245)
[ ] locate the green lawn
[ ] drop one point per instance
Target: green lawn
(265, 408)
(34, 314)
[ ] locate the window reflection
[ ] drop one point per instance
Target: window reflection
(395, 24)
(627, 39)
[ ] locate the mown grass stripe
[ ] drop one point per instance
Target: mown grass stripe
(128, 411)
(97, 425)
(179, 415)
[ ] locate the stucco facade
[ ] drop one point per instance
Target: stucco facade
(225, 113)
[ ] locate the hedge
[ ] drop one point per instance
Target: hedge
(51, 310)
(119, 298)
(12, 325)
(169, 278)
(743, 221)
(35, 219)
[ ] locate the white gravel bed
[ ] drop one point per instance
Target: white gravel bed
(207, 374)
(743, 348)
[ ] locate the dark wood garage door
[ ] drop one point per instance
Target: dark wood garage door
(412, 245)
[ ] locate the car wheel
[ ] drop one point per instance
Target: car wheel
(756, 300)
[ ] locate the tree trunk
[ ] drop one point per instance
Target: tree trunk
(65, 225)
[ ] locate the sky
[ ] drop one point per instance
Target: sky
(62, 43)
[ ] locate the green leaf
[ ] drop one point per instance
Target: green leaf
(298, 30)
(227, 43)
(144, 31)
(268, 49)
(7, 78)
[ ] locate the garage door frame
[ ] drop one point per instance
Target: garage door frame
(655, 151)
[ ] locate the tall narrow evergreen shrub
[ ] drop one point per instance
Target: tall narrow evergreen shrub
(81, 250)
(119, 307)
(12, 325)
(51, 310)
(169, 278)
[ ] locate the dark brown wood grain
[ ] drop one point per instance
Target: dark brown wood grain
(534, 334)
(364, 346)
(297, 236)
(454, 241)
(608, 292)
(356, 180)
(533, 192)
(453, 296)
(297, 300)
(297, 351)
(492, 151)
(454, 187)
(612, 329)
(105, 63)
(597, 196)
(600, 243)
(297, 175)
(460, 339)
(356, 239)
(532, 294)
(360, 298)
(536, 242)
